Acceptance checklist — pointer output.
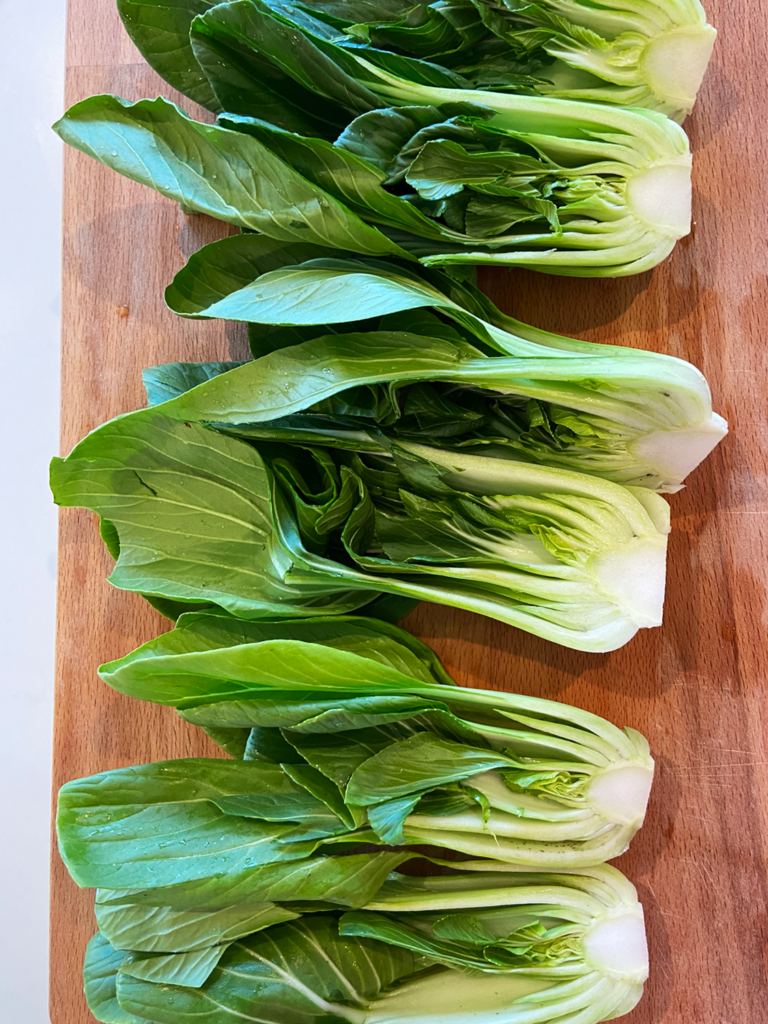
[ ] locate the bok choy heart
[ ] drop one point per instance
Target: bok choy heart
(482, 382)
(650, 54)
(269, 531)
(490, 774)
(463, 177)
(476, 944)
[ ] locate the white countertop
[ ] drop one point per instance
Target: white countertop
(31, 98)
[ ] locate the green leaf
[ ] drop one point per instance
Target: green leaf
(350, 880)
(387, 819)
(263, 744)
(301, 971)
(392, 137)
(159, 824)
(102, 963)
(232, 279)
(214, 540)
(191, 969)
(214, 171)
(172, 379)
(218, 269)
(231, 741)
(292, 379)
(295, 63)
(209, 655)
(338, 755)
(160, 29)
(414, 765)
(344, 175)
(320, 787)
(246, 81)
(165, 930)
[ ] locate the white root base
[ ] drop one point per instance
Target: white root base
(662, 197)
(673, 65)
(621, 794)
(635, 578)
(675, 453)
(617, 946)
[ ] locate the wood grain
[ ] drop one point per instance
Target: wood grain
(696, 687)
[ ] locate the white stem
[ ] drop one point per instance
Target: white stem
(661, 196)
(617, 946)
(621, 794)
(634, 577)
(673, 64)
(673, 454)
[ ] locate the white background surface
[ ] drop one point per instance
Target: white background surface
(31, 98)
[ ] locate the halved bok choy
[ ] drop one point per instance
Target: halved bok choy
(443, 363)
(430, 172)
(651, 53)
(416, 758)
(267, 530)
(478, 945)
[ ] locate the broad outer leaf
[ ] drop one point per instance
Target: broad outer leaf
(259, 65)
(191, 969)
(214, 171)
(351, 880)
(290, 380)
(102, 963)
(221, 658)
(192, 511)
(161, 824)
(160, 29)
(301, 972)
(151, 929)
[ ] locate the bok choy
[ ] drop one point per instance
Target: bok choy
(416, 758)
(653, 54)
(478, 944)
(460, 373)
(433, 172)
(648, 54)
(280, 531)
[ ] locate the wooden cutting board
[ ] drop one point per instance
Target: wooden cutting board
(696, 687)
